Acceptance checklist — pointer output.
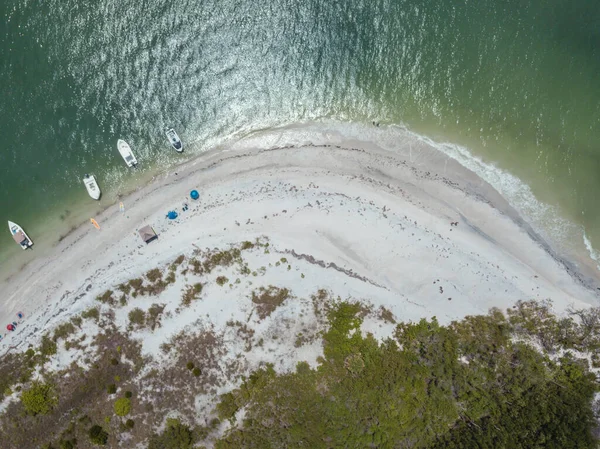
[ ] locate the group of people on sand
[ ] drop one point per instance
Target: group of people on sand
(13, 326)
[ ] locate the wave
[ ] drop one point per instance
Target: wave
(595, 255)
(547, 220)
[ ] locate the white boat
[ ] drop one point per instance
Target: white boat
(92, 186)
(174, 140)
(126, 152)
(19, 235)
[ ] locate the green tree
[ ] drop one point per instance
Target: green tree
(175, 436)
(98, 435)
(467, 385)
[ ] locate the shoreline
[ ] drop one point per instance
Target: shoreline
(569, 253)
(435, 188)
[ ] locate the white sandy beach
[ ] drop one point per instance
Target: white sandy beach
(355, 219)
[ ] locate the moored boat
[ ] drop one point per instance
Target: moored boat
(19, 235)
(174, 140)
(126, 153)
(92, 186)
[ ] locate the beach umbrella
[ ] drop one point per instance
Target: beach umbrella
(172, 215)
(194, 194)
(20, 315)
(10, 327)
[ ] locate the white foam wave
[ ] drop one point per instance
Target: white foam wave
(547, 220)
(595, 255)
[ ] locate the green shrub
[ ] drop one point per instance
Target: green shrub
(154, 275)
(227, 406)
(138, 317)
(98, 435)
(122, 406)
(106, 298)
(247, 245)
(128, 394)
(197, 372)
(47, 347)
(175, 436)
(39, 399)
(177, 262)
(93, 312)
(136, 283)
(114, 361)
(154, 314)
(130, 423)
(125, 288)
(191, 293)
(68, 444)
(222, 280)
(190, 365)
(111, 389)
(268, 299)
(170, 279)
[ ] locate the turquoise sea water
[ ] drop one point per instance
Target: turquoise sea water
(515, 83)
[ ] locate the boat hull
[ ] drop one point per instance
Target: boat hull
(126, 153)
(92, 187)
(19, 235)
(174, 140)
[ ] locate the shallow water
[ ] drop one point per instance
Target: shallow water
(513, 83)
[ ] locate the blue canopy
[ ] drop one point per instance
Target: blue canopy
(194, 194)
(172, 215)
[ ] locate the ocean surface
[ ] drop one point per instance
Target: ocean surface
(511, 88)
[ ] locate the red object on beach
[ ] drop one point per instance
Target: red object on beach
(10, 327)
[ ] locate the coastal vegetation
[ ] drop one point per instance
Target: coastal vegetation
(469, 384)
(519, 378)
(268, 299)
(514, 379)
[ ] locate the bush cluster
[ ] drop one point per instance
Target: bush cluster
(39, 398)
(98, 435)
(175, 436)
(467, 385)
(122, 406)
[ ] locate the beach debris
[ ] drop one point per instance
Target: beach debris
(172, 215)
(194, 195)
(95, 223)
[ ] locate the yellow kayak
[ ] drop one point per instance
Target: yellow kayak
(95, 223)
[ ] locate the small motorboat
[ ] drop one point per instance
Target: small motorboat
(126, 152)
(19, 235)
(92, 186)
(174, 140)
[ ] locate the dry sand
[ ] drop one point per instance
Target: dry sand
(407, 228)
